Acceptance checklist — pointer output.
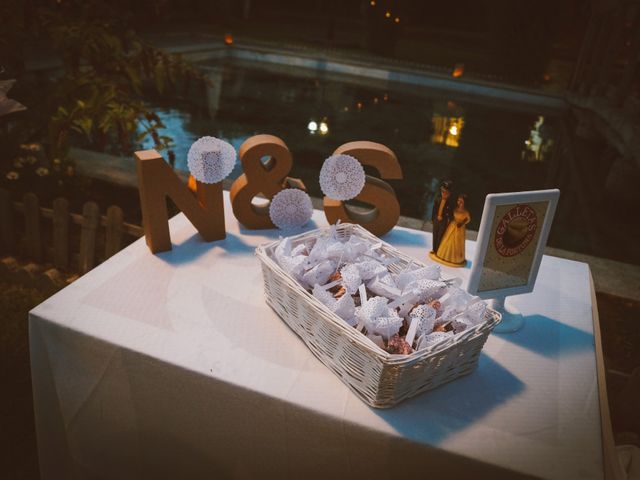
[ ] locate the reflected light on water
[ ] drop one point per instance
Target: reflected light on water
(538, 145)
(315, 127)
(447, 130)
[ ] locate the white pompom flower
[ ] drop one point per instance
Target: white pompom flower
(342, 177)
(211, 160)
(290, 208)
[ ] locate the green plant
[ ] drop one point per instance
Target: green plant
(97, 96)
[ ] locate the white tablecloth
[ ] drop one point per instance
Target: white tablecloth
(173, 366)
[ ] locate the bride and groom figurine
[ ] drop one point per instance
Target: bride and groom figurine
(449, 217)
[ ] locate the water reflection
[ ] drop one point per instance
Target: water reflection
(538, 146)
(214, 91)
(447, 130)
(484, 147)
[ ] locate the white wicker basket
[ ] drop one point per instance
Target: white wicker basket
(379, 378)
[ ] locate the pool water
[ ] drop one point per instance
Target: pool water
(484, 146)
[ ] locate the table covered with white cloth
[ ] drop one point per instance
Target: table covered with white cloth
(173, 366)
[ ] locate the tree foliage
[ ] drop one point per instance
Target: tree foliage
(96, 90)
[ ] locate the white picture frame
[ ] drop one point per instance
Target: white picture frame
(508, 254)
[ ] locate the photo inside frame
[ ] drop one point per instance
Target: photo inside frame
(515, 233)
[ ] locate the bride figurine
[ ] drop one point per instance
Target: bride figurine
(451, 249)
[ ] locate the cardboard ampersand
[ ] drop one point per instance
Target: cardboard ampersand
(376, 192)
(267, 179)
(156, 181)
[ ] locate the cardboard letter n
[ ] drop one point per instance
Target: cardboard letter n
(156, 181)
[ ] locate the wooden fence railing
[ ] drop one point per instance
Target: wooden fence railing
(56, 247)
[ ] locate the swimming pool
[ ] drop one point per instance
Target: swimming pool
(483, 145)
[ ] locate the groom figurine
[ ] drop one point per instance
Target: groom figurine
(442, 213)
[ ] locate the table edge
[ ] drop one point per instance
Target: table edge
(612, 468)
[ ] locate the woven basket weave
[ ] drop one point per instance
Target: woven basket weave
(379, 378)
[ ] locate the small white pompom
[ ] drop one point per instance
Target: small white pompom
(290, 208)
(341, 177)
(211, 160)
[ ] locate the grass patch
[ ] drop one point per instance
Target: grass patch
(18, 438)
